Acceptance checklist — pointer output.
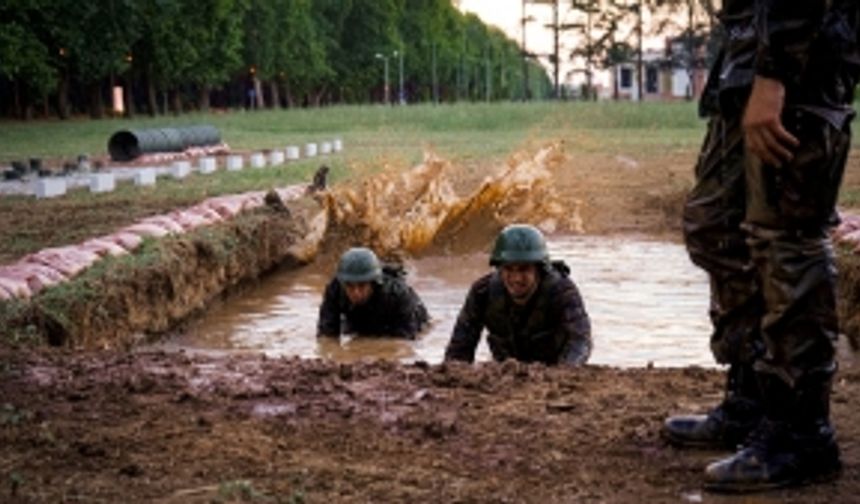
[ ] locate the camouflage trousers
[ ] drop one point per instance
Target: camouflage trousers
(761, 234)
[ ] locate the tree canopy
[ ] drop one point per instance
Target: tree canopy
(62, 57)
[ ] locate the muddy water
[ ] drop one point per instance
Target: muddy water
(646, 301)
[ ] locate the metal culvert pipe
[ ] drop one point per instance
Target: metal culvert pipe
(126, 145)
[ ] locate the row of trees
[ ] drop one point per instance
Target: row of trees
(63, 57)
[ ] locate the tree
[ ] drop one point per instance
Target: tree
(216, 35)
(24, 58)
(301, 54)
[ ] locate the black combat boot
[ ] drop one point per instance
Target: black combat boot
(794, 445)
(728, 424)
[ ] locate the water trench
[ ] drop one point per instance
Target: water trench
(647, 303)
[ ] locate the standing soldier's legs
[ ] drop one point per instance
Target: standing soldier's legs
(789, 213)
(713, 215)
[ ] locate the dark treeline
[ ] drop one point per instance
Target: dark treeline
(64, 57)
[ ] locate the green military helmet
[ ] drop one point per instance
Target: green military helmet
(519, 243)
(359, 264)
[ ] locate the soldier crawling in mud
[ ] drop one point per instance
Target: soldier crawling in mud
(367, 298)
(779, 101)
(530, 307)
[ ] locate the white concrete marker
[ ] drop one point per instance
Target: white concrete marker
(50, 187)
(145, 177)
(325, 148)
(337, 145)
(102, 182)
(235, 163)
(258, 160)
(276, 157)
(293, 152)
(180, 169)
(311, 150)
(208, 165)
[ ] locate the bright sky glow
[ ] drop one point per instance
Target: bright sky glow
(506, 15)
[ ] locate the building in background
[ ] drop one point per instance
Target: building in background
(677, 72)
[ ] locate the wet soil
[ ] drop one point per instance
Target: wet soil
(156, 427)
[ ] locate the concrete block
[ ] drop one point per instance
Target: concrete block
(50, 187)
(258, 160)
(293, 152)
(276, 157)
(337, 145)
(311, 150)
(145, 177)
(208, 165)
(102, 182)
(180, 169)
(325, 148)
(235, 163)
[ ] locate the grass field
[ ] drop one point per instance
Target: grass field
(466, 130)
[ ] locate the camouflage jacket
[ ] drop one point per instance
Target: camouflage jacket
(552, 327)
(394, 309)
(810, 46)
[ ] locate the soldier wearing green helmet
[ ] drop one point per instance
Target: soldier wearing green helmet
(368, 298)
(530, 307)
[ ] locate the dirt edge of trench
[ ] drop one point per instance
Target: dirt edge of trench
(123, 300)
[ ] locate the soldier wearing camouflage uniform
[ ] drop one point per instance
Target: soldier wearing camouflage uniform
(369, 299)
(757, 221)
(531, 309)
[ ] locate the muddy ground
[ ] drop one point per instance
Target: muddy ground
(90, 426)
(153, 427)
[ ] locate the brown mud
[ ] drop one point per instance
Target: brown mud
(126, 426)
(153, 427)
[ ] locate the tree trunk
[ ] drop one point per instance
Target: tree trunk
(260, 102)
(175, 102)
(128, 98)
(17, 110)
(203, 97)
(151, 97)
(97, 105)
(276, 95)
(63, 96)
(615, 91)
(316, 98)
(288, 94)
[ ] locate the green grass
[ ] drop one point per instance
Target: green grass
(456, 131)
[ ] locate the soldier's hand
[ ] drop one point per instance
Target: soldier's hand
(764, 134)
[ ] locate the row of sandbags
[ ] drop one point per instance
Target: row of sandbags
(51, 266)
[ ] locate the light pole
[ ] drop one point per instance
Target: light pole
(401, 95)
(384, 59)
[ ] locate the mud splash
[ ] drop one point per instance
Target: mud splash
(419, 211)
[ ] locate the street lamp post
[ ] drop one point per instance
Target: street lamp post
(384, 59)
(401, 95)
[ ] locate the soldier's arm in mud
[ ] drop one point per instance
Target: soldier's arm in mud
(786, 32)
(328, 323)
(576, 325)
(470, 322)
